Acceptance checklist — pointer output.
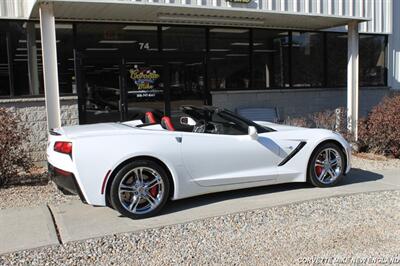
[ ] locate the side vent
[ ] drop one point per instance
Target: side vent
(293, 153)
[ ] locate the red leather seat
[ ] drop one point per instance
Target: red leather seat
(149, 118)
(167, 124)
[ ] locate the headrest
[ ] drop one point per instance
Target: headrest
(149, 118)
(167, 124)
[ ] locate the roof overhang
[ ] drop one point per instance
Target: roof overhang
(234, 15)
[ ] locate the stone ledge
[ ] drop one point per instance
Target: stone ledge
(35, 99)
(224, 92)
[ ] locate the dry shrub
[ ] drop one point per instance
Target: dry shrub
(298, 122)
(380, 131)
(14, 161)
(335, 120)
(326, 119)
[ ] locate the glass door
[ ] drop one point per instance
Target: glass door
(143, 87)
(163, 84)
(122, 89)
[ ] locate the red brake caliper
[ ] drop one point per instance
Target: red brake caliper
(154, 190)
(318, 170)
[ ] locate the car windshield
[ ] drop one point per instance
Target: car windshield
(221, 121)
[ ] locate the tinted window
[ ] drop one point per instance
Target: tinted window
(183, 39)
(229, 59)
(336, 59)
(307, 59)
(372, 60)
(270, 59)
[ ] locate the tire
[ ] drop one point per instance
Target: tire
(323, 173)
(140, 189)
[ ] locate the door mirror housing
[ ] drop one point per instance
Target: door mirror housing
(253, 133)
(187, 121)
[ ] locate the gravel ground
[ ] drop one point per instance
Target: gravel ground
(30, 195)
(368, 161)
(338, 230)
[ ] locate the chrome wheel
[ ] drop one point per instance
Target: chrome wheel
(141, 190)
(328, 166)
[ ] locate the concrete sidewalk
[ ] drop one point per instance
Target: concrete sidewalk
(77, 221)
(26, 228)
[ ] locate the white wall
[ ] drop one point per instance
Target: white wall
(394, 49)
(378, 10)
(16, 9)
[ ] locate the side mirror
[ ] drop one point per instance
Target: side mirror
(253, 133)
(187, 121)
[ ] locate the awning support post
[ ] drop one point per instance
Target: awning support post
(50, 69)
(352, 79)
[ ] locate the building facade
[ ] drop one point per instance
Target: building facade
(100, 61)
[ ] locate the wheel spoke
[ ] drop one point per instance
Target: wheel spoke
(322, 175)
(330, 173)
(319, 163)
(125, 188)
(135, 203)
(156, 181)
(327, 156)
(139, 174)
(333, 162)
(150, 199)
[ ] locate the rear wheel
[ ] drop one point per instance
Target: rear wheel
(326, 165)
(140, 189)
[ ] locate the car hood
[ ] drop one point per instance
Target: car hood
(279, 127)
(291, 133)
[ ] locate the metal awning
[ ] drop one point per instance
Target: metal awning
(229, 15)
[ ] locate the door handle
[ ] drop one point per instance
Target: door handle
(178, 139)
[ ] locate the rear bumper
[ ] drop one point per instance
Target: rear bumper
(65, 181)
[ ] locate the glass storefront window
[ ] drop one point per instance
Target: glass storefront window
(19, 53)
(163, 66)
(184, 51)
(228, 59)
(21, 40)
(372, 60)
(4, 74)
(102, 39)
(270, 59)
(307, 59)
(336, 59)
(65, 54)
(183, 39)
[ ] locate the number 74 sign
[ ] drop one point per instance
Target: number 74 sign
(144, 46)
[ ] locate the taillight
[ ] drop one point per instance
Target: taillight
(63, 147)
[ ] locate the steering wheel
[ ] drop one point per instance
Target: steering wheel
(200, 126)
(211, 128)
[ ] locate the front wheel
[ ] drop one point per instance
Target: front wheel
(326, 166)
(140, 189)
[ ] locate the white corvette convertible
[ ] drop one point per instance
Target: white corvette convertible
(135, 166)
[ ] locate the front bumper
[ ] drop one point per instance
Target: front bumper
(348, 155)
(65, 181)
